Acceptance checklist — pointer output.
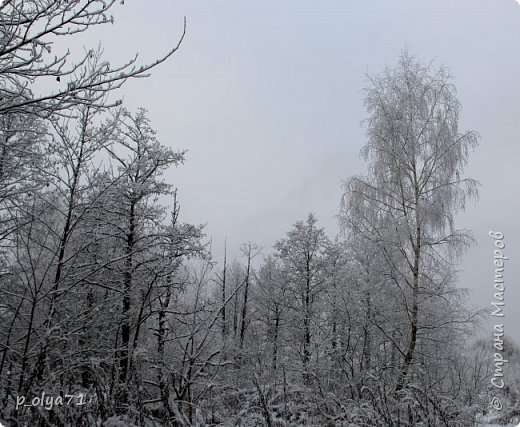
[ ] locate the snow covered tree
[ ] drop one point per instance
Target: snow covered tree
(302, 254)
(271, 302)
(249, 251)
(406, 205)
(22, 141)
(28, 31)
(133, 216)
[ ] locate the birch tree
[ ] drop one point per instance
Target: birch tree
(407, 203)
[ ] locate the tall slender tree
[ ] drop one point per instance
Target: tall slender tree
(407, 203)
(303, 256)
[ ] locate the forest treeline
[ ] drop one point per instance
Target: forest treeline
(113, 311)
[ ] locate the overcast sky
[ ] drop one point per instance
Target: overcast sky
(267, 99)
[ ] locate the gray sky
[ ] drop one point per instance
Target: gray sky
(267, 98)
